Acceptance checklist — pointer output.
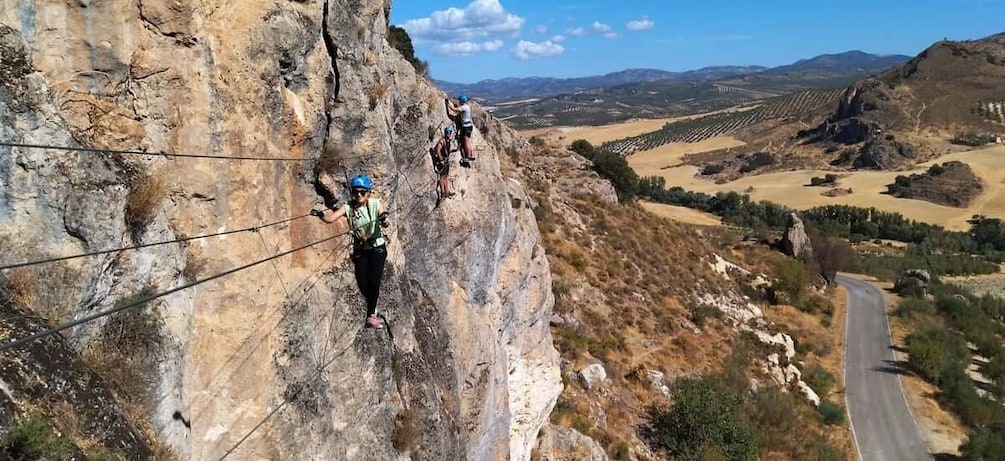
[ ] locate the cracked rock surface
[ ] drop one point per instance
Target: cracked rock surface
(270, 362)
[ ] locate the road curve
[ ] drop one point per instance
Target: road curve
(882, 424)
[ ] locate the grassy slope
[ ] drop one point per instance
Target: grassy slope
(628, 278)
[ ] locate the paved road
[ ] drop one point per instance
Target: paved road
(883, 426)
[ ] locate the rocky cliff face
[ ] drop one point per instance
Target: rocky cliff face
(272, 361)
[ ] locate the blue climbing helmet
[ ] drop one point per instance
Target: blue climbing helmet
(448, 130)
(463, 98)
(361, 181)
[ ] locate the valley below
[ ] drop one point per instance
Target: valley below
(868, 187)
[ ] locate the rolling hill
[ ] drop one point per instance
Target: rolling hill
(949, 88)
(691, 93)
(508, 89)
(892, 121)
(847, 67)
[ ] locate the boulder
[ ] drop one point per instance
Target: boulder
(913, 282)
(795, 242)
(558, 443)
(592, 375)
(656, 379)
(884, 154)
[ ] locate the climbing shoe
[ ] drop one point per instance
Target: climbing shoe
(374, 322)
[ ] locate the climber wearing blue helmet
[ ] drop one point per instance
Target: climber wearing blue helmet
(440, 153)
(462, 116)
(364, 217)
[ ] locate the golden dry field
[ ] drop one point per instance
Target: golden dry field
(788, 188)
(598, 135)
(682, 214)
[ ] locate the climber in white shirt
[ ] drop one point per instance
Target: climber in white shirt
(465, 125)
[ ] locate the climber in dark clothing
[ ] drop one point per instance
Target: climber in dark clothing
(440, 152)
(363, 217)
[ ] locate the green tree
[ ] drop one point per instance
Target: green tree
(985, 444)
(398, 38)
(831, 255)
(610, 166)
(615, 168)
(995, 371)
(792, 279)
(703, 421)
(584, 148)
(936, 353)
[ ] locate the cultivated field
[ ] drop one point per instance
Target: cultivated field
(672, 155)
(723, 123)
(682, 214)
(980, 285)
(867, 186)
(598, 135)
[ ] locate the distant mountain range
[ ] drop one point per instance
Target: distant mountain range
(852, 64)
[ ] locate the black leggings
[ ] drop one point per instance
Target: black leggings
(369, 265)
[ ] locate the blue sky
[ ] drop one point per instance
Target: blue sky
(470, 40)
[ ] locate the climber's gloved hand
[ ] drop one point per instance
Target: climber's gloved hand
(383, 219)
(317, 213)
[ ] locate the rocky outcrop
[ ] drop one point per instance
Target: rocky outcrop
(559, 443)
(592, 375)
(884, 154)
(746, 316)
(952, 184)
(913, 282)
(47, 376)
(271, 361)
(940, 89)
(795, 242)
(865, 110)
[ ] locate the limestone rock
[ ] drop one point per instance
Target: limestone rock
(592, 375)
(913, 282)
(52, 364)
(559, 443)
(466, 290)
(865, 109)
(781, 340)
(736, 309)
(722, 267)
(809, 393)
(656, 380)
(795, 242)
(920, 274)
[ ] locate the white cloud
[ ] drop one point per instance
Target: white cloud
(643, 24)
(558, 38)
(596, 28)
(611, 35)
(540, 29)
(494, 45)
(481, 19)
(467, 48)
(599, 27)
(527, 50)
